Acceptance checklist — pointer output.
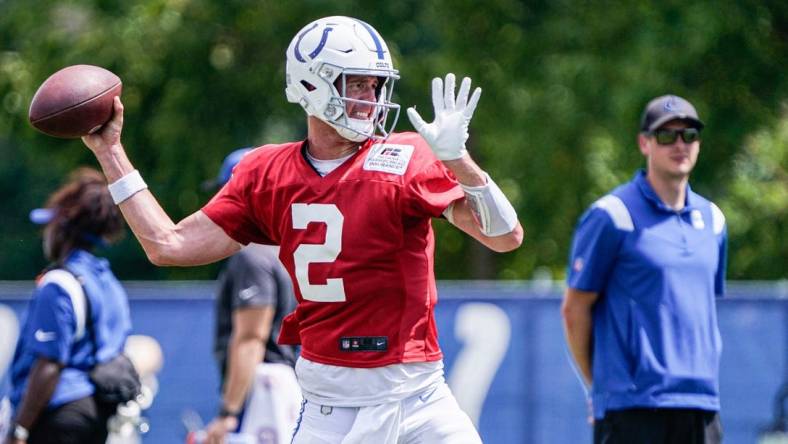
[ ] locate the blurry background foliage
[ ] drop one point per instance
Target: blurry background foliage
(564, 84)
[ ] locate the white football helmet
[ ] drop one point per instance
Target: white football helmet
(332, 48)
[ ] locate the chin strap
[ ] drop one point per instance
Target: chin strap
(356, 132)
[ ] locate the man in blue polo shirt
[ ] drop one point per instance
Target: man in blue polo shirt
(646, 264)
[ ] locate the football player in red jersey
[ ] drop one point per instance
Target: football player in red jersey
(351, 208)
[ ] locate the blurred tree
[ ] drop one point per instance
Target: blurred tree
(564, 84)
(756, 205)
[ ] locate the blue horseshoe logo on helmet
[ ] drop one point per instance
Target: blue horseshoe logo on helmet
(297, 51)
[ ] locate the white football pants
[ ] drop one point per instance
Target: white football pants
(430, 417)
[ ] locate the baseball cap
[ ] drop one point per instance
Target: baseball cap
(43, 216)
(226, 170)
(663, 109)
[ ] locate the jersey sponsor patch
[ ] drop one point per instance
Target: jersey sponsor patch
(364, 343)
(388, 158)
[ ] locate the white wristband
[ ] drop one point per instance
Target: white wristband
(20, 433)
(493, 211)
(126, 186)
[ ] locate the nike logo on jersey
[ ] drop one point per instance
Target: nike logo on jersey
(389, 158)
(44, 336)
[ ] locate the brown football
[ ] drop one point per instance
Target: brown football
(75, 101)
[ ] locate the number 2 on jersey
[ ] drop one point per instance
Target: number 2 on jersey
(334, 289)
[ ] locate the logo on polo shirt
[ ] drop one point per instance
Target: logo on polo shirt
(44, 336)
(247, 293)
(697, 220)
(578, 264)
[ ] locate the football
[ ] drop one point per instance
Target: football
(75, 101)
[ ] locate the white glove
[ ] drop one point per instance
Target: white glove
(448, 133)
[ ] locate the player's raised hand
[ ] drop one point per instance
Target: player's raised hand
(448, 133)
(109, 134)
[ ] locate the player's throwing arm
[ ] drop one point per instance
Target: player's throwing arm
(193, 241)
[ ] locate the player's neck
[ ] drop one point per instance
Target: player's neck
(672, 191)
(325, 143)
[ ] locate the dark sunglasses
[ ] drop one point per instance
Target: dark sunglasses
(669, 136)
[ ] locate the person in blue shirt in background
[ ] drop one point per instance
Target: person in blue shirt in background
(647, 261)
(52, 394)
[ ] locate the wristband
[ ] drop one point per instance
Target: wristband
(20, 433)
(491, 209)
(224, 412)
(126, 186)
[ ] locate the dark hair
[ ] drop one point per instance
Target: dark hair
(84, 215)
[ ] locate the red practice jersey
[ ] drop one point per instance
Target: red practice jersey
(358, 244)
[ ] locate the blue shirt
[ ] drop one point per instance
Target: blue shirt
(657, 272)
(55, 327)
